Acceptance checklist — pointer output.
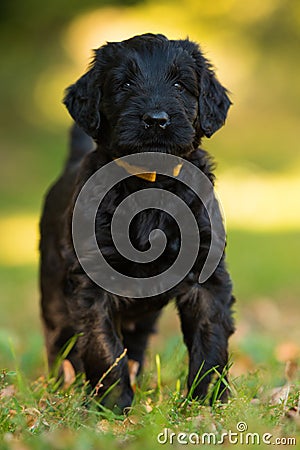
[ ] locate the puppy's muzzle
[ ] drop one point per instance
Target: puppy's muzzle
(156, 119)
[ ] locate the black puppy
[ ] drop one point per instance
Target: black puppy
(145, 94)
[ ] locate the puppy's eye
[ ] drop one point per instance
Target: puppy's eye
(127, 85)
(179, 86)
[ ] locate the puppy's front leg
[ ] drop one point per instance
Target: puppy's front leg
(100, 346)
(206, 324)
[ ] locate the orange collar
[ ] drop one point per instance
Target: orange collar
(141, 171)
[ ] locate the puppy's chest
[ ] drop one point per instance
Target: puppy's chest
(127, 228)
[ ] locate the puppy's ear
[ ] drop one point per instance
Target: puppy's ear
(213, 102)
(82, 100)
(213, 99)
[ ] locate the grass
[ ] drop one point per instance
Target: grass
(35, 414)
(264, 264)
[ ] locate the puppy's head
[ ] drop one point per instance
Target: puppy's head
(148, 93)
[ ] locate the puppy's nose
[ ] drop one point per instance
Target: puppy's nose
(156, 118)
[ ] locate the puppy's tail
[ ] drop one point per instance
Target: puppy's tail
(80, 145)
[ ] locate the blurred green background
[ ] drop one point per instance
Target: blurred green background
(255, 49)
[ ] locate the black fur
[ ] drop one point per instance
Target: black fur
(126, 82)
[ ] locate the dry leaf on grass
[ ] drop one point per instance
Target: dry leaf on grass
(132, 420)
(279, 395)
(7, 391)
(32, 417)
(103, 425)
(294, 413)
(69, 373)
(287, 351)
(148, 406)
(243, 364)
(291, 369)
(133, 368)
